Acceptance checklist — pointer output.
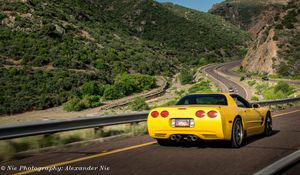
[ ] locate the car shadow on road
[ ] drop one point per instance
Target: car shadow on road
(258, 137)
(219, 144)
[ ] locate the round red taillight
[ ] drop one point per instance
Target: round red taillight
(200, 114)
(212, 114)
(154, 114)
(164, 113)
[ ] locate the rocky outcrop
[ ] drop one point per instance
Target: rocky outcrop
(262, 55)
(259, 22)
(274, 50)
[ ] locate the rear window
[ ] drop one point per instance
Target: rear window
(203, 99)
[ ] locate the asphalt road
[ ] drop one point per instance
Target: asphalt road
(212, 71)
(222, 81)
(226, 68)
(142, 155)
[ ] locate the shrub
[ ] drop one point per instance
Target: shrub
(186, 76)
(289, 19)
(284, 70)
(73, 105)
(2, 16)
(202, 86)
(71, 139)
(254, 98)
(279, 26)
(284, 87)
(92, 88)
(275, 38)
(111, 92)
(138, 104)
(242, 78)
(49, 140)
(90, 101)
(7, 151)
(241, 69)
(251, 83)
(262, 87)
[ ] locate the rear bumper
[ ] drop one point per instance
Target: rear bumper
(204, 135)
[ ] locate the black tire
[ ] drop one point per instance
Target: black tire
(237, 133)
(268, 125)
(164, 142)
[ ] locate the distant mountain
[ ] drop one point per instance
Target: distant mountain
(84, 40)
(250, 15)
(274, 26)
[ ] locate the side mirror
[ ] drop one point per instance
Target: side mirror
(255, 105)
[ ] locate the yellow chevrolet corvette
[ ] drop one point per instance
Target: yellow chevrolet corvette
(220, 116)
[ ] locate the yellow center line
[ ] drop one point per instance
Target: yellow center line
(87, 157)
(278, 115)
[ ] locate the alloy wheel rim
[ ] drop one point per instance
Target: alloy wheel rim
(238, 132)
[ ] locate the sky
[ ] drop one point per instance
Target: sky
(202, 5)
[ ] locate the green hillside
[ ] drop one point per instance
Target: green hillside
(243, 12)
(50, 49)
(287, 37)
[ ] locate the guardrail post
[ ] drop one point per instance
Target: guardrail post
(134, 124)
(98, 130)
(49, 140)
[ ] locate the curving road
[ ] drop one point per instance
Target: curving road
(226, 68)
(223, 82)
(223, 76)
(142, 155)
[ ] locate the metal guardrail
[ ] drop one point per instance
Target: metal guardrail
(279, 101)
(49, 127)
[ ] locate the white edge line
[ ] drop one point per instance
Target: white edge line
(220, 73)
(280, 164)
(216, 80)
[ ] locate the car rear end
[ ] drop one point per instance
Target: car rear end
(186, 122)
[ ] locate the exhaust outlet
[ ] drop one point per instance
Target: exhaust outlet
(194, 138)
(178, 138)
(173, 137)
(189, 138)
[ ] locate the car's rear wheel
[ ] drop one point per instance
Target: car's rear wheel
(163, 142)
(237, 133)
(268, 125)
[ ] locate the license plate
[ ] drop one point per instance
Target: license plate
(182, 122)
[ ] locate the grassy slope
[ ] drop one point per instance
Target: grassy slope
(104, 37)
